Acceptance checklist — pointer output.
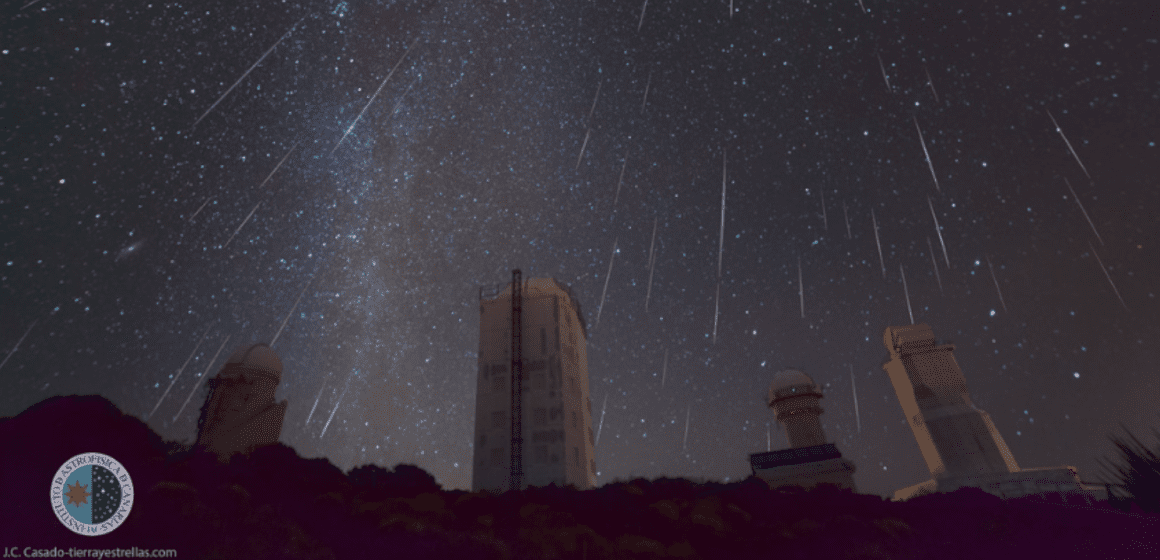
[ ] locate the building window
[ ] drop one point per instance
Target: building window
(499, 383)
(536, 365)
(499, 419)
(591, 439)
(497, 457)
(482, 440)
(555, 459)
(538, 381)
(484, 369)
(541, 454)
(574, 419)
(557, 338)
(576, 456)
(556, 413)
(541, 416)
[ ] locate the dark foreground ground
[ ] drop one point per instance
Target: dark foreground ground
(275, 504)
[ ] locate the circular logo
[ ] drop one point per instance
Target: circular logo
(92, 494)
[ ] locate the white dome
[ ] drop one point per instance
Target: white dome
(258, 357)
(786, 379)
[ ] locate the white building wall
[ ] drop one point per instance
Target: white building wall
(556, 409)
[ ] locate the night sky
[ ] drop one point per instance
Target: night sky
(539, 135)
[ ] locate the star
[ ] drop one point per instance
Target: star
(77, 494)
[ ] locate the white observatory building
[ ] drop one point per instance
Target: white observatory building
(809, 460)
(551, 431)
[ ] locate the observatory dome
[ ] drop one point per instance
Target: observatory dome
(790, 380)
(256, 357)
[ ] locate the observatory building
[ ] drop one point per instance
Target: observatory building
(958, 441)
(542, 434)
(240, 413)
(793, 396)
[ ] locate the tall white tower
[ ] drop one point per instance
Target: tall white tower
(556, 411)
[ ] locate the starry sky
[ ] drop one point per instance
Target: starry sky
(178, 179)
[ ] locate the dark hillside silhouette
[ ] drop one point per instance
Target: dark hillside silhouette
(275, 504)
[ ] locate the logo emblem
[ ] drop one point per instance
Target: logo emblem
(92, 494)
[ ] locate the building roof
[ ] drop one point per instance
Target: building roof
(259, 357)
(788, 379)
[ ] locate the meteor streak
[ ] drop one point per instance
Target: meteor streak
(606, 277)
(934, 265)
(292, 308)
(179, 370)
(938, 230)
(906, 291)
(13, 351)
(277, 166)
(1109, 277)
(854, 386)
(929, 82)
(199, 208)
(927, 154)
(665, 368)
(621, 180)
(1081, 209)
(376, 94)
(1069, 148)
(641, 22)
(204, 375)
(825, 222)
(336, 405)
(685, 445)
(226, 244)
(801, 288)
(721, 242)
(996, 281)
(247, 73)
(883, 68)
(599, 85)
(847, 216)
(582, 146)
(878, 242)
(600, 426)
(646, 86)
(716, 310)
(309, 416)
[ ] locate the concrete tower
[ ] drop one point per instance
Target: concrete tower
(958, 441)
(794, 397)
(240, 413)
(558, 445)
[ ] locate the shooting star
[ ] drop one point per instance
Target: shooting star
(716, 310)
(240, 226)
(29, 4)
(730, 9)
(376, 94)
(582, 147)
(179, 370)
(929, 81)
(641, 22)
(1069, 148)
(267, 179)
(600, 426)
(906, 291)
(878, 242)
(288, 315)
(309, 416)
(801, 288)
(599, 85)
(204, 375)
(862, 5)
(335, 409)
(1109, 276)
(606, 277)
(938, 230)
(646, 86)
(199, 208)
(996, 281)
(1081, 209)
(825, 222)
(854, 386)
(934, 265)
(621, 180)
(846, 215)
(404, 96)
(665, 368)
(247, 73)
(651, 264)
(13, 351)
(927, 154)
(883, 68)
(768, 442)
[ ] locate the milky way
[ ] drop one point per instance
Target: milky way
(425, 149)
